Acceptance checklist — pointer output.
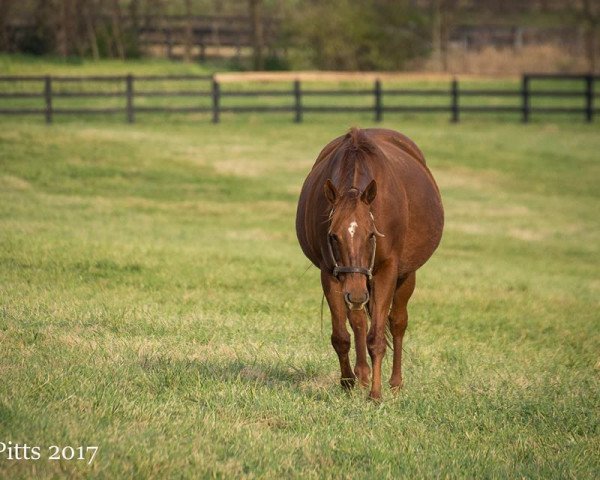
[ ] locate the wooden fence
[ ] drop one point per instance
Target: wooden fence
(376, 95)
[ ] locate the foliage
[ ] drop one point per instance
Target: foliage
(355, 35)
(336, 34)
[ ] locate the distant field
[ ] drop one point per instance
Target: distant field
(30, 65)
(154, 302)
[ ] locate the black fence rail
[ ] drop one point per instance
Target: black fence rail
(196, 87)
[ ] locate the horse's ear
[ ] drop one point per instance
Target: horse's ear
(370, 193)
(331, 192)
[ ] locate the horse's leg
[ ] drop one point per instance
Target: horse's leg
(340, 338)
(358, 320)
(398, 322)
(384, 285)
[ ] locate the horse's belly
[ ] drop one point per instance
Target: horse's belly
(425, 219)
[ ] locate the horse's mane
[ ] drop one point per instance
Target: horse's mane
(357, 141)
(354, 149)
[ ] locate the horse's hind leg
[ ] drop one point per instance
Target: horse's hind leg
(340, 338)
(398, 323)
(358, 320)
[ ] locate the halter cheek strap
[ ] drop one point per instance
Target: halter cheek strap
(353, 269)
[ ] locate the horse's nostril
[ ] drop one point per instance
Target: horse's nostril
(359, 300)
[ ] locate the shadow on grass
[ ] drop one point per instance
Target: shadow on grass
(305, 377)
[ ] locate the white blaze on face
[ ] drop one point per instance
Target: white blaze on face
(352, 229)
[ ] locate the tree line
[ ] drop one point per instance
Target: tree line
(322, 34)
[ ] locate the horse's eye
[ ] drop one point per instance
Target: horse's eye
(334, 242)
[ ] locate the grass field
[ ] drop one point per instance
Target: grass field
(154, 303)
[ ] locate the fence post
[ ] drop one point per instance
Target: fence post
(297, 101)
(129, 94)
(589, 97)
(378, 103)
(216, 97)
(454, 107)
(525, 101)
(48, 97)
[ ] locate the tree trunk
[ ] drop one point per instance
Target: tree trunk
(591, 40)
(88, 16)
(591, 18)
(62, 32)
(436, 34)
(255, 10)
(117, 30)
(134, 26)
(4, 14)
(444, 40)
(216, 25)
(189, 37)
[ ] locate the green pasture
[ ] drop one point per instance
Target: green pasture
(154, 303)
(14, 64)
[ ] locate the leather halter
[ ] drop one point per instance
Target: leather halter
(368, 272)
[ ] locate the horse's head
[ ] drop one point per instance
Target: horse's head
(352, 240)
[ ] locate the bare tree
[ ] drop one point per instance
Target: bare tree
(443, 13)
(117, 30)
(65, 30)
(255, 11)
(89, 13)
(134, 26)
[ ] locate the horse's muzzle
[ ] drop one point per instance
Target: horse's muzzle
(356, 302)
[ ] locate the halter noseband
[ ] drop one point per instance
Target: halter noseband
(368, 272)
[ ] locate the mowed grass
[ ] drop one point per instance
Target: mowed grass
(154, 302)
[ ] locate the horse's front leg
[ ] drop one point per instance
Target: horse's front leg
(384, 284)
(340, 338)
(358, 321)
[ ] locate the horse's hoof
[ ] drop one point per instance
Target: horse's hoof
(396, 389)
(396, 386)
(364, 377)
(364, 382)
(347, 383)
(375, 396)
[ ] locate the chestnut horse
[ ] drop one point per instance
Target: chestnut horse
(369, 215)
